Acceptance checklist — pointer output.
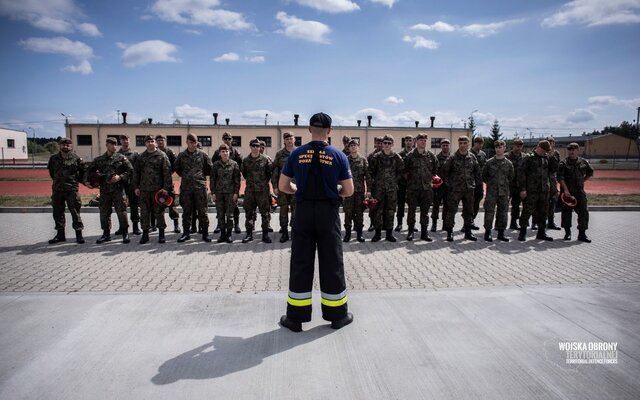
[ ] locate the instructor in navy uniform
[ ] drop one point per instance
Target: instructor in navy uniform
(322, 176)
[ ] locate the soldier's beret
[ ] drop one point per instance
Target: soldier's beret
(408, 137)
(544, 145)
(287, 135)
(65, 140)
(353, 142)
(148, 138)
(378, 139)
(445, 141)
(254, 141)
(518, 141)
(573, 145)
(161, 137)
(346, 139)
(112, 140)
(421, 136)
(192, 138)
(226, 135)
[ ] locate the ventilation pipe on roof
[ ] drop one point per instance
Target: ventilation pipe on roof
(295, 119)
(227, 120)
(369, 117)
(417, 123)
(124, 117)
(150, 120)
(359, 122)
(432, 120)
(215, 118)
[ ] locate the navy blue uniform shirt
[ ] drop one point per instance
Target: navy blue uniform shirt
(333, 163)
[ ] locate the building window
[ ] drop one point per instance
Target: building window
(117, 138)
(175, 141)
(85, 140)
(435, 143)
(11, 143)
(140, 140)
(236, 141)
(298, 141)
(205, 141)
(266, 139)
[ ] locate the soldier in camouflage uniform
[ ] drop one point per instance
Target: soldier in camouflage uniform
(225, 187)
(385, 169)
(152, 173)
(515, 156)
(161, 142)
(376, 149)
(256, 169)
(285, 201)
(235, 155)
(193, 166)
(462, 173)
(573, 172)
(533, 180)
(402, 182)
(478, 194)
(498, 175)
(440, 195)
(134, 202)
(352, 205)
(345, 145)
(114, 171)
(420, 166)
(66, 169)
(554, 163)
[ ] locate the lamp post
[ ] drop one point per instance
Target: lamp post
(66, 118)
(118, 116)
(33, 152)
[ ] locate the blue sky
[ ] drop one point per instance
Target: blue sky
(538, 67)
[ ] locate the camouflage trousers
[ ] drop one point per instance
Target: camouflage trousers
(478, 194)
(440, 196)
(535, 204)
(452, 208)
(109, 201)
(422, 199)
(582, 209)
(354, 211)
(225, 207)
(502, 216)
(194, 201)
(134, 204)
(262, 201)
(149, 207)
(516, 201)
(70, 199)
(402, 200)
(553, 196)
(286, 202)
(385, 210)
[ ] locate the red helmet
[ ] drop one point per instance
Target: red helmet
(370, 203)
(163, 198)
(568, 201)
(436, 181)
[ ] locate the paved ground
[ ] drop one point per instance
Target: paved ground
(76, 325)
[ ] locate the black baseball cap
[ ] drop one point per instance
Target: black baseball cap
(320, 120)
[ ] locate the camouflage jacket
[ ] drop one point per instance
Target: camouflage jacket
(515, 159)
(498, 174)
(234, 155)
(420, 169)
(442, 158)
(225, 177)
(554, 163)
(278, 165)
(152, 172)
(402, 181)
(66, 172)
(108, 166)
(533, 174)
(171, 155)
(461, 172)
(481, 156)
(573, 173)
(132, 156)
(385, 170)
(360, 173)
(193, 169)
(256, 173)
(370, 156)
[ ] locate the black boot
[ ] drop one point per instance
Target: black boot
(79, 238)
(223, 235)
(205, 233)
(487, 235)
(136, 229)
(359, 236)
(410, 233)
(285, 235)
(118, 232)
(501, 236)
(449, 235)
(542, 235)
(265, 237)
(424, 234)
(377, 236)
(567, 233)
(552, 225)
(153, 228)
(399, 226)
(217, 230)
(389, 237)
(236, 225)
(248, 238)
(347, 235)
(161, 238)
(474, 227)
(145, 236)
(534, 226)
(59, 237)
(193, 229)
(106, 237)
(582, 236)
(522, 236)
(176, 226)
(434, 225)
(229, 232)
(468, 235)
(514, 224)
(185, 236)
(125, 236)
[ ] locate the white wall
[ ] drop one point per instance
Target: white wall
(19, 150)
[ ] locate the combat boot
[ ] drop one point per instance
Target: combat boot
(285, 235)
(474, 227)
(153, 228)
(582, 236)
(125, 236)
(552, 225)
(161, 238)
(377, 236)
(424, 234)
(567, 233)
(59, 237)
(534, 226)
(410, 233)
(523, 234)
(236, 225)
(399, 226)
(265, 237)
(223, 236)
(389, 237)
(228, 236)
(468, 235)
(205, 233)
(136, 229)
(176, 226)
(193, 229)
(145, 236)
(248, 238)
(185, 236)
(514, 224)
(79, 238)
(487, 235)
(217, 230)
(347, 235)
(106, 237)
(359, 236)
(449, 235)
(542, 235)
(501, 235)
(118, 232)
(434, 225)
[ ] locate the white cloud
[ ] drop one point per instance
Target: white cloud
(58, 45)
(195, 115)
(394, 100)
(89, 30)
(332, 6)
(439, 26)
(581, 115)
(613, 100)
(200, 12)
(193, 31)
(388, 3)
(255, 59)
(84, 68)
(477, 30)
(149, 51)
(420, 42)
(257, 117)
(58, 16)
(596, 12)
(227, 57)
(296, 28)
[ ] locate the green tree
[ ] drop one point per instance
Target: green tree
(472, 125)
(34, 147)
(494, 135)
(52, 147)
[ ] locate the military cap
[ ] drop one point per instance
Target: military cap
(346, 139)
(226, 135)
(478, 139)
(287, 135)
(420, 136)
(445, 141)
(463, 139)
(254, 141)
(352, 142)
(161, 137)
(387, 137)
(544, 145)
(192, 138)
(320, 120)
(518, 141)
(498, 143)
(408, 137)
(112, 140)
(378, 139)
(573, 145)
(148, 138)
(65, 140)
